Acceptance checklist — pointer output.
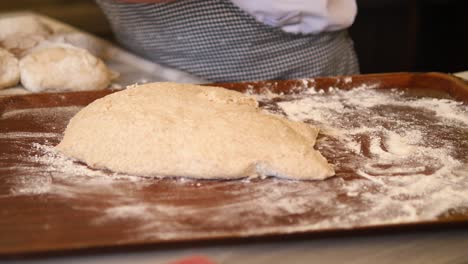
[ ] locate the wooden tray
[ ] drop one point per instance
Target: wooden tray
(51, 204)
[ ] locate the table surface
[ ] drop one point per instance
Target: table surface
(436, 247)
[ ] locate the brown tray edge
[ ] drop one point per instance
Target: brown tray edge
(453, 85)
(367, 231)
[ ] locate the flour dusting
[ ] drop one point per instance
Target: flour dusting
(39, 113)
(414, 170)
(399, 158)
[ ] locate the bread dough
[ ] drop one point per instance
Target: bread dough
(95, 46)
(20, 34)
(9, 69)
(169, 129)
(63, 68)
(24, 25)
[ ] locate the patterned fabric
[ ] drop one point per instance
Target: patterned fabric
(217, 41)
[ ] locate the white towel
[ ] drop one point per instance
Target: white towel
(302, 16)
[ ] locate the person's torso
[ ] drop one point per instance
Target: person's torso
(217, 41)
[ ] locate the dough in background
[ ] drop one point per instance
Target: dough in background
(170, 129)
(63, 68)
(95, 46)
(21, 33)
(9, 69)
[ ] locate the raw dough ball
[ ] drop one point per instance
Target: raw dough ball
(10, 26)
(9, 69)
(20, 45)
(63, 68)
(20, 34)
(95, 46)
(169, 129)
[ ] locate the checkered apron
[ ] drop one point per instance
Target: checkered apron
(217, 41)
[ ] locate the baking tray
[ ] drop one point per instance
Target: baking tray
(388, 175)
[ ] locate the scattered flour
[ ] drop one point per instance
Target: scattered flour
(39, 113)
(398, 160)
(410, 163)
(19, 135)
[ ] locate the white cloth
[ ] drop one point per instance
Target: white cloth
(302, 16)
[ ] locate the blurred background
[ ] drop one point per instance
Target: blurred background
(389, 35)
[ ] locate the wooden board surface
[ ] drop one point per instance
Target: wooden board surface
(49, 203)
